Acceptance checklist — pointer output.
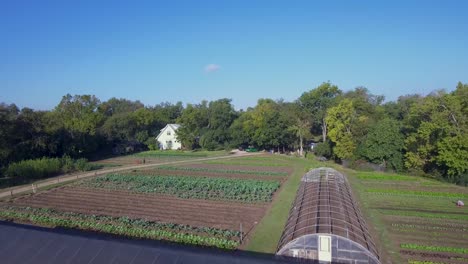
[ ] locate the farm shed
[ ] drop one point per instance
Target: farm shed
(325, 223)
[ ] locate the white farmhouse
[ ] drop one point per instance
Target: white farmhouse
(167, 138)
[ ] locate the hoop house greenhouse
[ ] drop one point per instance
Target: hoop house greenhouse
(325, 223)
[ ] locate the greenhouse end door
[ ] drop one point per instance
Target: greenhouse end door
(324, 253)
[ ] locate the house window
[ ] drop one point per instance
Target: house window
(168, 133)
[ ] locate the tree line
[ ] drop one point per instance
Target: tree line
(415, 133)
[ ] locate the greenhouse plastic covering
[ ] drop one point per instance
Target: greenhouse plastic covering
(325, 222)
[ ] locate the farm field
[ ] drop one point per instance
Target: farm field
(262, 161)
(415, 219)
(155, 157)
(201, 204)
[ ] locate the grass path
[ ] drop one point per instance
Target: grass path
(266, 235)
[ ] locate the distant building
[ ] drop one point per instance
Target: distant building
(312, 145)
(167, 138)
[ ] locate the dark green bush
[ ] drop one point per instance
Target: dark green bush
(67, 163)
(323, 149)
(82, 165)
(45, 167)
(34, 169)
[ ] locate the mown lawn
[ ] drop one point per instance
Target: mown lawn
(266, 235)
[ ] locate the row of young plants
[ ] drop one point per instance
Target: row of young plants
(435, 248)
(247, 163)
(427, 227)
(410, 261)
(380, 177)
(432, 262)
(269, 158)
(424, 214)
(247, 190)
(261, 173)
(417, 193)
(137, 228)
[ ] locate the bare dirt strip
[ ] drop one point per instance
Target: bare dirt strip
(164, 208)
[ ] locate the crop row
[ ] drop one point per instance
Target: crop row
(190, 187)
(432, 262)
(138, 228)
(387, 177)
(143, 223)
(265, 173)
(425, 227)
(423, 262)
(417, 193)
(425, 214)
(435, 248)
(169, 154)
(247, 163)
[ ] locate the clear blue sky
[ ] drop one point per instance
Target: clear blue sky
(187, 51)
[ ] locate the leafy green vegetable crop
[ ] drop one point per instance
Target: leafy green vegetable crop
(139, 228)
(435, 248)
(190, 187)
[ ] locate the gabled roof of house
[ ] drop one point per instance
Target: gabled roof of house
(173, 126)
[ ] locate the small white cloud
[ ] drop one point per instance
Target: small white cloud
(212, 68)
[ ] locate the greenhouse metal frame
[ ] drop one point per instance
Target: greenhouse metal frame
(325, 223)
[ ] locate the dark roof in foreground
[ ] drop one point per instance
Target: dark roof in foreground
(30, 244)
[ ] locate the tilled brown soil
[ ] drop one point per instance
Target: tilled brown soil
(164, 208)
(288, 170)
(208, 174)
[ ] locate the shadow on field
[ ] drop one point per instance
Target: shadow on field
(20, 243)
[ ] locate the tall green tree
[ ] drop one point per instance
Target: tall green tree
(33, 139)
(437, 135)
(302, 131)
(221, 114)
(265, 126)
(116, 106)
(8, 132)
(317, 102)
(193, 120)
(340, 120)
(80, 118)
(384, 144)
